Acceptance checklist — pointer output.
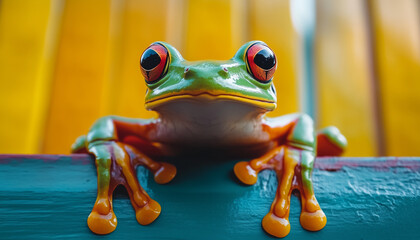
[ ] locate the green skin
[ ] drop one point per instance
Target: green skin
(239, 81)
(228, 78)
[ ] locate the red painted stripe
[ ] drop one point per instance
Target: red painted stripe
(322, 163)
(75, 158)
(379, 163)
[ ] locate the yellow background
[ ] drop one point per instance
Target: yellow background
(63, 64)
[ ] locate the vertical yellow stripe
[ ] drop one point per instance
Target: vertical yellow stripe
(345, 94)
(113, 56)
(27, 36)
(214, 29)
(397, 35)
(142, 23)
(270, 22)
(175, 23)
(79, 73)
(43, 78)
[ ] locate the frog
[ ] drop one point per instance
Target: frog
(219, 105)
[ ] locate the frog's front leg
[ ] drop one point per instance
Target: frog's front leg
(292, 158)
(116, 163)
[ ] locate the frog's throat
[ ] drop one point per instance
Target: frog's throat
(261, 103)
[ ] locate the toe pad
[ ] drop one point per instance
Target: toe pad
(313, 221)
(165, 173)
(102, 224)
(245, 173)
(276, 226)
(147, 214)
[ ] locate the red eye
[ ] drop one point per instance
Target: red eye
(261, 62)
(154, 62)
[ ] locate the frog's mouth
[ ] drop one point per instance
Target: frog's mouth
(206, 96)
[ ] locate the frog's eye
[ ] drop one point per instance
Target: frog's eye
(154, 62)
(261, 62)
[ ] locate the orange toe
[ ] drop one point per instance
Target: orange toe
(245, 173)
(147, 214)
(102, 224)
(276, 226)
(165, 173)
(314, 221)
(102, 206)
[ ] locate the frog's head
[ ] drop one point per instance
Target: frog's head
(244, 79)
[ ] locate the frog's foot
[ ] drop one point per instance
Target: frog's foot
(147, 209)
(293, 169)
(330, 142)
(312, 218)
(276, 222)
(102, 219)
(247, 172)
(116, 164)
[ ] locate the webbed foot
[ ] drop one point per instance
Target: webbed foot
(293, 167)
(102, 223)
(116, 163)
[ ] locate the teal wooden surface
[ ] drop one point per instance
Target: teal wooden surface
(50, 197)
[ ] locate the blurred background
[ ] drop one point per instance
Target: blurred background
(350, 63)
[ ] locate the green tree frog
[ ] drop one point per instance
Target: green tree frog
(217, 105)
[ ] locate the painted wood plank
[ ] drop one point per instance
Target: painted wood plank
(303, 14)
(50, 196)
(344, 84)
(214, 29)
(28, 31)
(397, 54)
(135, 25)
(79, 74)
(270, 21)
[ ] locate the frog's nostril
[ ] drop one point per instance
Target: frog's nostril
(224, 72)
(188, 73)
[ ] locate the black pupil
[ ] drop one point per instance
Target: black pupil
(150, 59)
(265, 59)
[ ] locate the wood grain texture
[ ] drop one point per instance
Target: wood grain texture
(134, 26)
(344, 84)
(214, 29)
(28, 32)
(63, 64)
(79, 74)
(397, 48)
(270, 21)
(50, 196)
